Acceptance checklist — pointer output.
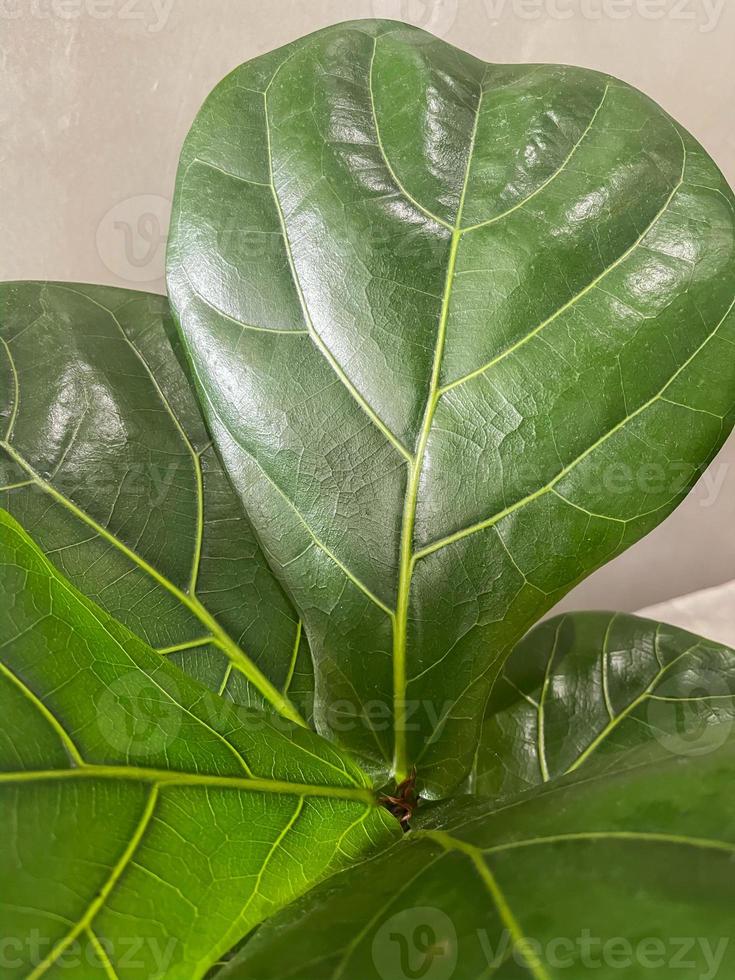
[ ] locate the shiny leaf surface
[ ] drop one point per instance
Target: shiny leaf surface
(463, 332)
(147, 823)
(627, 873)
(583, 688)
(106, 461)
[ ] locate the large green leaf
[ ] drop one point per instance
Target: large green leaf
(105, 459)
(627, 874)
(464, 332)
(633, 847)
(582, 688)
(147, 823)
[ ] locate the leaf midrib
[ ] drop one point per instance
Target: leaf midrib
(74, 752)
(587, 289)
(406, 556)
(168, 777)
(525, 950)
(218, 635)
(123, 862)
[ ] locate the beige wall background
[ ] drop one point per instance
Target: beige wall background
(96, 97)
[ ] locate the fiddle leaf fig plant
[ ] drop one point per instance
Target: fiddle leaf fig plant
(442, 337)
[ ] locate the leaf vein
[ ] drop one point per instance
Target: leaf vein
(104, 893)
(313, 332)
(381, 146)
(67, 741)
(16, 391)
(584, 292)
(489, 522)
(549, 180)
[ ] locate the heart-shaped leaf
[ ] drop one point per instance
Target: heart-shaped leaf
(464, 332)
(583, 688)
(147, 823)
(105, 459)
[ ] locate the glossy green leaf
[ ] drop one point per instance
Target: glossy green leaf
(106, 461)
(628, 873)
(583, 688)
(147, 823)
(638, 716)
(463, 332)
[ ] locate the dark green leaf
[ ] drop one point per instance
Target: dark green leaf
(582, 688)
(105, 459)
(464, 332)
(628, 873)
(147, 823)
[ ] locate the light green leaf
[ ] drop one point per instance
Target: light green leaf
(147, 823)
(105, 459)
(628, 873)
(583, 688)
(463, 333)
